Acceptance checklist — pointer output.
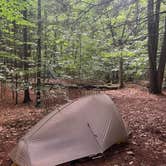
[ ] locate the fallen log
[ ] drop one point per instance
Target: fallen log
(84, 86)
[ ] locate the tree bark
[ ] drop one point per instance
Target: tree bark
(156, 74)
(45, 45)
(15, 52)
(162, 62)
(38, 93)
(80, 56)
(25, 63)
(121, 82)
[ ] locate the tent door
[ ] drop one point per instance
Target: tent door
(95, 138)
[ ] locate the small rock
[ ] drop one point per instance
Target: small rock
(134, 143)
(130, 153)
(131, 162)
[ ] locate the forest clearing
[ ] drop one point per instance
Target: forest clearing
(143, 113)
(70, 63)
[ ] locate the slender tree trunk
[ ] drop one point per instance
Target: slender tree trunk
(80, 58)
(16, 75)
(121, 82)
(45, 46)
(16, 98)
(38, 94)
(11, 76)
(25, 63)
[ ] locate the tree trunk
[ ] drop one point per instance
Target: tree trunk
(80, 57)
(38, 94)
(15, 52)
(153, 86)
(25, 63)
(121, 84)
(153, 37)
(45, 46)
(16, 98)
(162, 61)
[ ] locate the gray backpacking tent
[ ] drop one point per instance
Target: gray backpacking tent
(85, 127)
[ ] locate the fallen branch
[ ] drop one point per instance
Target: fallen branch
(84, 86)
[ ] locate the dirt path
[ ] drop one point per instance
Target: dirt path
(144, 114)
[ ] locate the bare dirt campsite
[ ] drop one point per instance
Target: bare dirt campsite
(143, 113)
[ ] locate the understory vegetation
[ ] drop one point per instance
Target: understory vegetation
(100, 41)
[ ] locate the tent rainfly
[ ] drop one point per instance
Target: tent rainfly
(85, 127)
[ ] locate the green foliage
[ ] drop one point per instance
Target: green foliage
(82, 39)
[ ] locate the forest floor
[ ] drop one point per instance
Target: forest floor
(145, 115)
